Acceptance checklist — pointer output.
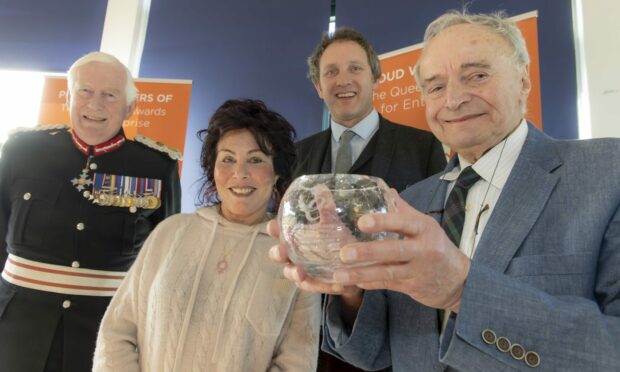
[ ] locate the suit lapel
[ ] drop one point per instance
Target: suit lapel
(524, 197)
(378, 151)
(320, 157)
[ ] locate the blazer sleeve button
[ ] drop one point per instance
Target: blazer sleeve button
(532, 359)
(503, 344)
(488, 336)
(517, 351)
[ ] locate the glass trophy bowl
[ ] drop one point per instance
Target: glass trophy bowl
(318, 216)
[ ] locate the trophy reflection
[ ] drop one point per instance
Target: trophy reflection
(318, 215)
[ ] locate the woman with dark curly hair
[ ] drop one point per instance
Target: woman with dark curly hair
(203, 294)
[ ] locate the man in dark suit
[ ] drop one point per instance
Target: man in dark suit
(345, 70)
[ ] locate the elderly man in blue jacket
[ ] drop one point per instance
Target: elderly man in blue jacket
(510, 259)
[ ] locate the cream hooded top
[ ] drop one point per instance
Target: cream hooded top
(204, 296)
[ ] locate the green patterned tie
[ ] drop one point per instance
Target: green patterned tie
(454, 211)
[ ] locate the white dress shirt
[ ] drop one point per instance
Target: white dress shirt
(364, 131)
(494, 167)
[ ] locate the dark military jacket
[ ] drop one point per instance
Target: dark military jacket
(45, 216)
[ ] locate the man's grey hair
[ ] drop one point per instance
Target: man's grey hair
(497, 22)
(131, 92)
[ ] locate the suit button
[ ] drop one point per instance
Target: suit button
(66, 304)
(27, 196)
(488, 336)
(503, 344)
(532, 359)
(517, 351)
(75, 264)
(80, 226)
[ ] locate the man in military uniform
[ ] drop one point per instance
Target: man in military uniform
(76, 204)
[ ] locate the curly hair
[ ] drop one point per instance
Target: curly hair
(342, 34)
(273, 133)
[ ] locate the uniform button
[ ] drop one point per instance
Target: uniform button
(488, 336)
(503, 344)
(93, 166)
(75, 264)
(517, 351)
(27, 196)
(532, 359)
(133, 209)
(66, 304)
(86, 194)
(80, 226)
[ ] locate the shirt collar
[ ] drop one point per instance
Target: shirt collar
(365, 128)
(495, 166)
(110, 145)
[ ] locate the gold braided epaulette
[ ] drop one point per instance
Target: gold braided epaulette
(38, 128)
(172, 153)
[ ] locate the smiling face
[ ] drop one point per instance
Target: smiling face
(244, 177)
(346, 83)
(474, 91)
(98, 102)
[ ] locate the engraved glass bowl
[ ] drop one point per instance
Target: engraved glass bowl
(318, 216)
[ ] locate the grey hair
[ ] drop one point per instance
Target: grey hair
(341, 35)
(497, 22)
(131, 92)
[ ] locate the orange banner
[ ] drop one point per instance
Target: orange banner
(161, 112)
(398, 96)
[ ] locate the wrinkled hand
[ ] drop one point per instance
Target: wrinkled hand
(424, 265)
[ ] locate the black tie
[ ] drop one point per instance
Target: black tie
(454, 211)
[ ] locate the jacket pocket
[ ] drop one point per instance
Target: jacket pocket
(572, 264)
(571, 274)
(32, 207)
(270, 304)
(116, 228)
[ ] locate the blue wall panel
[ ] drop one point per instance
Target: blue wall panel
(48, 35)
(233, 49)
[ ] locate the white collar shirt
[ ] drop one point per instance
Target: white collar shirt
(364, 131)
(494, 167)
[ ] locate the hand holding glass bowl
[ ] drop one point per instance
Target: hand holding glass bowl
(318, 216)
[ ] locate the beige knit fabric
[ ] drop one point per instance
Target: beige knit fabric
(176, 312)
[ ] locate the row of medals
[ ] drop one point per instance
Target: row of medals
(110, 199)
(104, 198)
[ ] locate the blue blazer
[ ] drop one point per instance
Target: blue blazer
(545, 275)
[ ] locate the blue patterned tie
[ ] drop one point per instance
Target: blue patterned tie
(454, 211)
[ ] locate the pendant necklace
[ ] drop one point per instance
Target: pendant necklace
(222, 264)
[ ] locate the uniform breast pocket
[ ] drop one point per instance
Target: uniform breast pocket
(269, 305)
(118, 230)
(32, 206)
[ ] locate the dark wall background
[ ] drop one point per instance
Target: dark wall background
(48, 35)
(235, 49)
(257, 49)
